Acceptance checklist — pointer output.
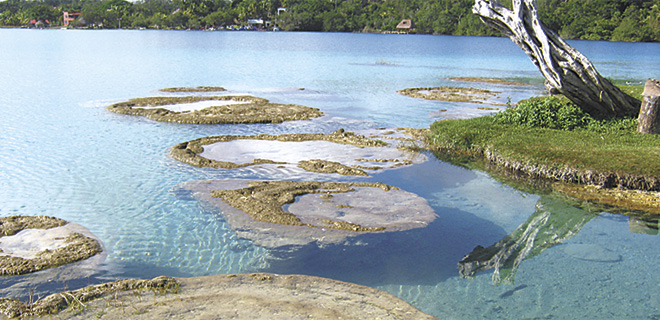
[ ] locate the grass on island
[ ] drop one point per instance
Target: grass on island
(551, 131)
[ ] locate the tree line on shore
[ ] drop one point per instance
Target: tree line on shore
(617, 20)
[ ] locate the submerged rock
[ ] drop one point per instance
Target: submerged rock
(624, 199)
(244, 296)
(279, 213)
(214, 109)
(29, 244)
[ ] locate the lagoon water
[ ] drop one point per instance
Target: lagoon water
(62, 154)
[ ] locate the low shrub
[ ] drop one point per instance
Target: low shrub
(545, 112)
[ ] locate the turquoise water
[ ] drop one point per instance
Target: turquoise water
(62, 154)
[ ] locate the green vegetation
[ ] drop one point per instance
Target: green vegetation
(549, 137)
(619, 20)
(542, 112)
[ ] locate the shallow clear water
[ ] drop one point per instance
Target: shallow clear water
(62, 154)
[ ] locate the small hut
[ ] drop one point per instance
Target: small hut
(404, 26)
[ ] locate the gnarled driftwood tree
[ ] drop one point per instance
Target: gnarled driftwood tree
(565, 69)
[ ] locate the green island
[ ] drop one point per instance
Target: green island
(549, 138)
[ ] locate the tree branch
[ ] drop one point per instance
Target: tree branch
(565, 69)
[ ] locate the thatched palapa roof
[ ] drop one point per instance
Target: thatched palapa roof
(404, 24)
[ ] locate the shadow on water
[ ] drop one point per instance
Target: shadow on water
(423, 256)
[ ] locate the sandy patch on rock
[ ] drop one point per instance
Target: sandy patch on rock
(195, 106)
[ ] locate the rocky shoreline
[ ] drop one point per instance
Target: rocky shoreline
(573, 175)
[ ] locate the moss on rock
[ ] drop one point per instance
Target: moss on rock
(11, 225)
(189, 152)
(263, 201)
(325, 166)
(249, 110)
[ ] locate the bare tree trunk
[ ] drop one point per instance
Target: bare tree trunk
(565, 69)
(649, 115)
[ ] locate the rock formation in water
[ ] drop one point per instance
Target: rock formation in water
(281, 213)
(229, 110)
(34, 243)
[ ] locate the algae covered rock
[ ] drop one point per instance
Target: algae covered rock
(29, 244)
(345, 153)
(279, 213)
(214, 109)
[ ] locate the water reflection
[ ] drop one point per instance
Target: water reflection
(553, 222)
(424, 256)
